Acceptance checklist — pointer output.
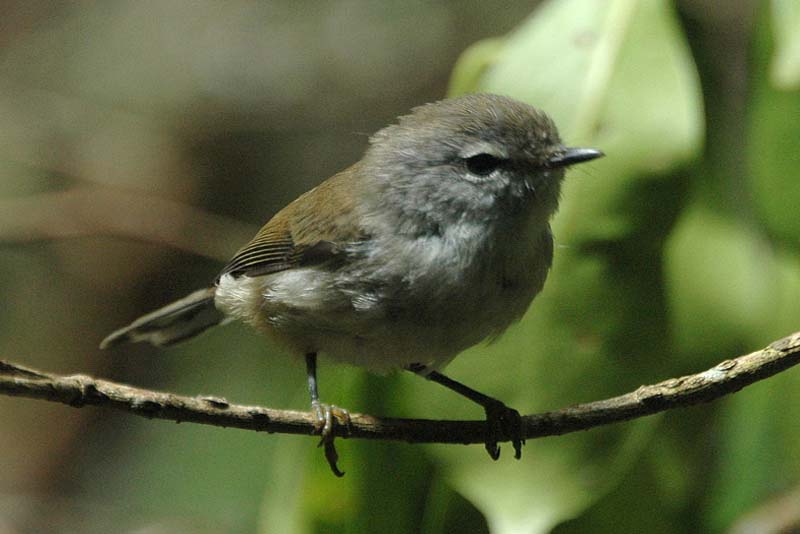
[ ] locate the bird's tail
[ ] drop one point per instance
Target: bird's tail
(183, 319)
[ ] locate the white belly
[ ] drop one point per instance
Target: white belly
(386, 312)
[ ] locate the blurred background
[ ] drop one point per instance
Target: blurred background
(141, 143)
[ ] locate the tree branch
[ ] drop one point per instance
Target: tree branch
(97, 210)
(723, 379)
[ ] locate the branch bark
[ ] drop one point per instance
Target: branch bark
(727, 377)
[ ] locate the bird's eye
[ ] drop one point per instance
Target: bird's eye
(483, 164)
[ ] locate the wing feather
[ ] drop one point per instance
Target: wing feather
(314, 229)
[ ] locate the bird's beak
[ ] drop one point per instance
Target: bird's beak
(571, 156)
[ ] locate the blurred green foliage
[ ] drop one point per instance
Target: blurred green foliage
(677, 250)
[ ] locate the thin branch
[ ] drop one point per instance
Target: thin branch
(96, 210)
(723, 379)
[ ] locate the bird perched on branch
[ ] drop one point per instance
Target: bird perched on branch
(437, 239)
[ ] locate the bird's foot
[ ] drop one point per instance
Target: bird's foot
(327, 418)
(502, 421)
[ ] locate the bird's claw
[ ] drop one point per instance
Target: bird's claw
(502, 421)
(327, 418)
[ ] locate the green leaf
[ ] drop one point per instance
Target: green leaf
(729, 288)
(473, 64)
(785, 68)
(773, 157)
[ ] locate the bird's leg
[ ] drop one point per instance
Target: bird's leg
(327, 416)
(500, 419)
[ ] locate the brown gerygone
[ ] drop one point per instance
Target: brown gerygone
(436, 240)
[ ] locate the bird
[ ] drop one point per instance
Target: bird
(437, 239)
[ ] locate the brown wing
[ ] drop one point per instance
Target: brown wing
(313, 229)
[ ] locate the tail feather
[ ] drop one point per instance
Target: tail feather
(174, 322)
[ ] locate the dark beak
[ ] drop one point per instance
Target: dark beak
(571, 156)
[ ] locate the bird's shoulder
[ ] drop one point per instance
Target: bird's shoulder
(313, 229)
